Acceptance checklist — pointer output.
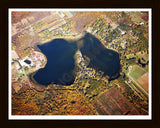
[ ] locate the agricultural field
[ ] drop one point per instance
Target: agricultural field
(138, 74)
(82, 19)
(144, 80)
(112, 102)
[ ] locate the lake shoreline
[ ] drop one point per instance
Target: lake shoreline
(64, 46)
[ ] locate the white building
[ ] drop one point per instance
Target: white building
(141, 23)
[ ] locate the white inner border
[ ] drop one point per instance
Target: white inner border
(82, 117)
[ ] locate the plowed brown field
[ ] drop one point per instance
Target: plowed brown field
(143, 80)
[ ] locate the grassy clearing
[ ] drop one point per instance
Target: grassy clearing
(146, 68)
(136, 72)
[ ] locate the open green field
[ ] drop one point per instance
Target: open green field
(136, 72)
(137, 76)
(146, 68)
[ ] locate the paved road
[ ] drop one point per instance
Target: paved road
(133, 90)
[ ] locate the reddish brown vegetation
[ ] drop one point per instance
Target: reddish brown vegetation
(16, 16)
(143, 80)
(112, 102)
(145, 17)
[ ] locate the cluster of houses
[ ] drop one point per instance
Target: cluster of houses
(85, 72)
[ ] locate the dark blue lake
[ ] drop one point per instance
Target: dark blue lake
(60, 63)
(60, 60)
(101, 58)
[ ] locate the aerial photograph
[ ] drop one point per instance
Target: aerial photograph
(79, 62)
